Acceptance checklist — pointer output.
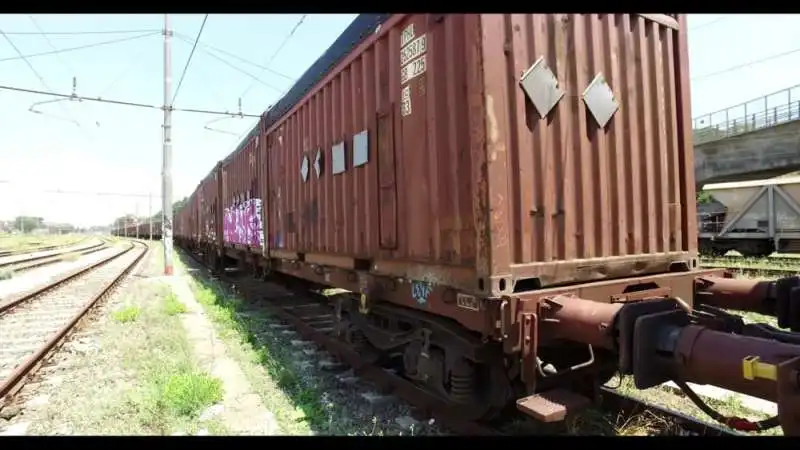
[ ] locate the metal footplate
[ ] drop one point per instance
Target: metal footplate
(553, 405)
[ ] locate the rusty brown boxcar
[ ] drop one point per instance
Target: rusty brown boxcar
(209, 211)
(241, 199)
(492, 153)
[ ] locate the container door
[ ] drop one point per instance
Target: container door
(387, 181)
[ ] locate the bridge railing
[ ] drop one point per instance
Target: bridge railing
(764, 112)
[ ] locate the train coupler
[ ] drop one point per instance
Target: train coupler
(779, 298)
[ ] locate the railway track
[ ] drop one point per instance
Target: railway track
(34, 323)
(766, 267)
(5, 253)
(36, 262)
(311, 315)
(29, 257)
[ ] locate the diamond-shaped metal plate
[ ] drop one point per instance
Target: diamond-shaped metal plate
(600, 100)
(318, 162)
(541, 86)
(304, 168)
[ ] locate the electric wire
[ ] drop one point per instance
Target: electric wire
(710, 22)
(41, 79)
(81, 47)
(278, 50)
(81, 33)
(124, 103)
(189, 60)
(53, 47)
(747, 64)
(238, 69)
(203, 46)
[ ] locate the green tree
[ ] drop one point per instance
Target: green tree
(27, 223)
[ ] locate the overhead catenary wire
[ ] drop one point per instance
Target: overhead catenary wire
(53, 47)
(81, 47)
(124, 103)
(747, 64)
(81, 33)
(203, 46)
(238, 69)
(278, 50)
(189, 59)
(39, 76)
(710, 22)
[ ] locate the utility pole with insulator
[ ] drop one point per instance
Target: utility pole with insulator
(166, 173)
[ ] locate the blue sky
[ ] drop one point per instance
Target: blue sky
(117, 149)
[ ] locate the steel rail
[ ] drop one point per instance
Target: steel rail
(23, 251)
(36, 257)
(21, 372)
(54, 259)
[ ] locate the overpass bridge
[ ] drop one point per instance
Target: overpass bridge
(749, 141)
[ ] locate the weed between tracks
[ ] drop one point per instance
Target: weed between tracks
(141, 377)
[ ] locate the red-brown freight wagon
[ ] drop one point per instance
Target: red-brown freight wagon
(210, 213)
(490, 154)
(241, 200)
(509, 200)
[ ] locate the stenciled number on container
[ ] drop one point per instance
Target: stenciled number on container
(413, 63)
(413, 69)
(407, 35)
(405, 101)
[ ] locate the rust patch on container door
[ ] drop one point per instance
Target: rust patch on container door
(387, 180)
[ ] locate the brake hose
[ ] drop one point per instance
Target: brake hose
(737, 423)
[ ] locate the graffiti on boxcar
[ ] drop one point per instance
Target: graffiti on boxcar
(242, 224)
(421, 290)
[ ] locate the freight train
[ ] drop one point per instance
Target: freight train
(141, 230)
(754, 218)
(508, 201)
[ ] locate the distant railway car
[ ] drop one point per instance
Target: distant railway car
(141, 230)
(755, 218)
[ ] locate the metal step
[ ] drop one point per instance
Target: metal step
(553, 405)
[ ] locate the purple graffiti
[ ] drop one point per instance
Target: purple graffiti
(242, 224)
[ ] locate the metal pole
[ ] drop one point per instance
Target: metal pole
(150, 213)
(166, 173)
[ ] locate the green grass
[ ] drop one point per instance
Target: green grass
(173, 306)
(145, 379)
(6, 274)
(127, 314)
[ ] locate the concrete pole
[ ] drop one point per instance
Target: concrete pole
(136, 219)
(150, 213)
(166, 174)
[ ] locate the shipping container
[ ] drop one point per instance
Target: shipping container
(489, 153)
(209, 210)
(241, 199)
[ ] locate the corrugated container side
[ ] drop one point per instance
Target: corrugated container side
(239, 175)
(462, 183)
(408, 199)
(208, 205)
(571, 200)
